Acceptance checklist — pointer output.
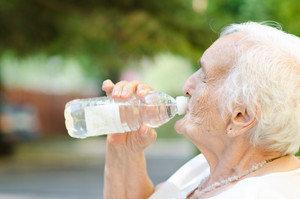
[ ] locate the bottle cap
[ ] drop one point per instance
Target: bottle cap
(182, 104)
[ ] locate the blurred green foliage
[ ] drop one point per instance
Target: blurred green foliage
(285, 12)
(50, 74)
(107, 34)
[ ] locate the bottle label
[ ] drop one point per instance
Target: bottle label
(104, 119)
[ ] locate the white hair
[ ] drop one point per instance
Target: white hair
(268, 75)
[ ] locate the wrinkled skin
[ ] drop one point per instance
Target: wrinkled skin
(203, 116)
(223, 141)
(125, 169)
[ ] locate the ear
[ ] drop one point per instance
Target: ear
(242, 121)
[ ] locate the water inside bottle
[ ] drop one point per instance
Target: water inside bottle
(132, 116)
(151, 115)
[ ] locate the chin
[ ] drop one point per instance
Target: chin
(186, 128)
(180, 126)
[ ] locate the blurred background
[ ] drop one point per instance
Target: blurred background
(52, 51)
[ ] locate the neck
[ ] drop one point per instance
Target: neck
(233, 159)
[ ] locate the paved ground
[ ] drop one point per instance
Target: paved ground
(71, 169)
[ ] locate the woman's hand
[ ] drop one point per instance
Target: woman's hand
(138, 140)
(125, 163)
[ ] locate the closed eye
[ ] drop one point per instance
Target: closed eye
(202, 76)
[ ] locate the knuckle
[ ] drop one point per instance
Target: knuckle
(133, 83)
(107, 81)
(107, 84)
(120, 83)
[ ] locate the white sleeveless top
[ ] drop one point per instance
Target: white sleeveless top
(282, 185)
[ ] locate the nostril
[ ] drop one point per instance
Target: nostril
(186, 89)
(187, 94)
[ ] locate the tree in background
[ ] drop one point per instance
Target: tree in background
(104, 35)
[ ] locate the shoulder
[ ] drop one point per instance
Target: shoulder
(281, 185)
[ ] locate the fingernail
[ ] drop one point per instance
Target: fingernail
(103, 85)
(141, 92)
(106, 82)
(124, 92)
(115, 92)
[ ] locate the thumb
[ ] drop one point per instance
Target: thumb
(147, 135)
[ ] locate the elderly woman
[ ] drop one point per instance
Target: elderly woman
(243, 115)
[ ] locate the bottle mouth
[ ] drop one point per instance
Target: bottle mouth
(182, 104)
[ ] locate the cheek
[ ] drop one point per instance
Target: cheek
(197, 118)
(199, 107)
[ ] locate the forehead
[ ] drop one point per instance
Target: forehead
(220, 56)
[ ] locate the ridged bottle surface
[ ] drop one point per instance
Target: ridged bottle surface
(99, 116)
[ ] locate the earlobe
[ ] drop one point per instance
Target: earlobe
(231, 132)
(242, 121)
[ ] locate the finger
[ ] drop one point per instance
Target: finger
(142, 130)
(130, 88)
(151, 134)
(147, 136)
(108, 86)
(143, 89)
(118, 88)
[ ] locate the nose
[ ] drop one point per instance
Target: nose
(189, 85)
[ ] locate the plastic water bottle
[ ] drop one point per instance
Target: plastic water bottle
(102, 115)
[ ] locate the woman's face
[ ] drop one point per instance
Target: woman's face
(203, 119)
